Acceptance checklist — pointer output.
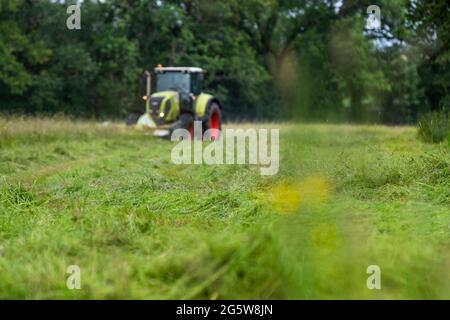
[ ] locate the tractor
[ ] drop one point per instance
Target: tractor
(174, 99)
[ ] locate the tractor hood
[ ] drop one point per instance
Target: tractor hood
(163, 106)
(164, 94)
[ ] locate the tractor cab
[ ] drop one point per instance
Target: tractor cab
(182, 83)
(187, 80)
(174, 98)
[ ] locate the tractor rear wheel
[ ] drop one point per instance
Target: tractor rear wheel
(213, 121)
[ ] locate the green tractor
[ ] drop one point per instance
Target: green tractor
(174, 99)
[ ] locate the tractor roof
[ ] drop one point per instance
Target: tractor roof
(179, 69)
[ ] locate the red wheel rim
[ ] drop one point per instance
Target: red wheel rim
(190, 128)
(214, 125)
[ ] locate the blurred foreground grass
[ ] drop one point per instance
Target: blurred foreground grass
(109, 199)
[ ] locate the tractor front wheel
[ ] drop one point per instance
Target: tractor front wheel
(185, 121)
(213, 121)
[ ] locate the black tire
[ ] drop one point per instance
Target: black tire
(185, 121)
(212, 120)
(132, 119)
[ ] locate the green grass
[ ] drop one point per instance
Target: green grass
(434, 127)
(108, 199)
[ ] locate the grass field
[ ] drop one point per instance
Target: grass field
(108, 199)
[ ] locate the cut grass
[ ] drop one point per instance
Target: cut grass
(109, 200)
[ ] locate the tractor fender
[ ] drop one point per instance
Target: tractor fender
(202, 102)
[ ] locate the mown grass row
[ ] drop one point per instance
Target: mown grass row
(109, 199)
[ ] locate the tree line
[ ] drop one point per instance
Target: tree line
(307, 60)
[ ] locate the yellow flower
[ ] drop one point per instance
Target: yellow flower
(314, 190)
(285, 198)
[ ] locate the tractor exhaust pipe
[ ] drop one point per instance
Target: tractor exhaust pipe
(145, 121)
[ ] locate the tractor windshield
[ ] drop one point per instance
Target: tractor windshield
(173, 81)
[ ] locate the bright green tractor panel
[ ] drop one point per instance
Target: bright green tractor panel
(201, 103)
(164, 106)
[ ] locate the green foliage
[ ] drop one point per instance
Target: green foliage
(91, 72)
(405, 97)
(434, 127)
(19, 52)
(430, 21)
(360, 78)
(273, 59)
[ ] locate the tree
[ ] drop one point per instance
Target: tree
(405, 98)
(430, 22)
(272, 59)
(19, 53)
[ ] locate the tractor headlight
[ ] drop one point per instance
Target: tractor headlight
(161, 115)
